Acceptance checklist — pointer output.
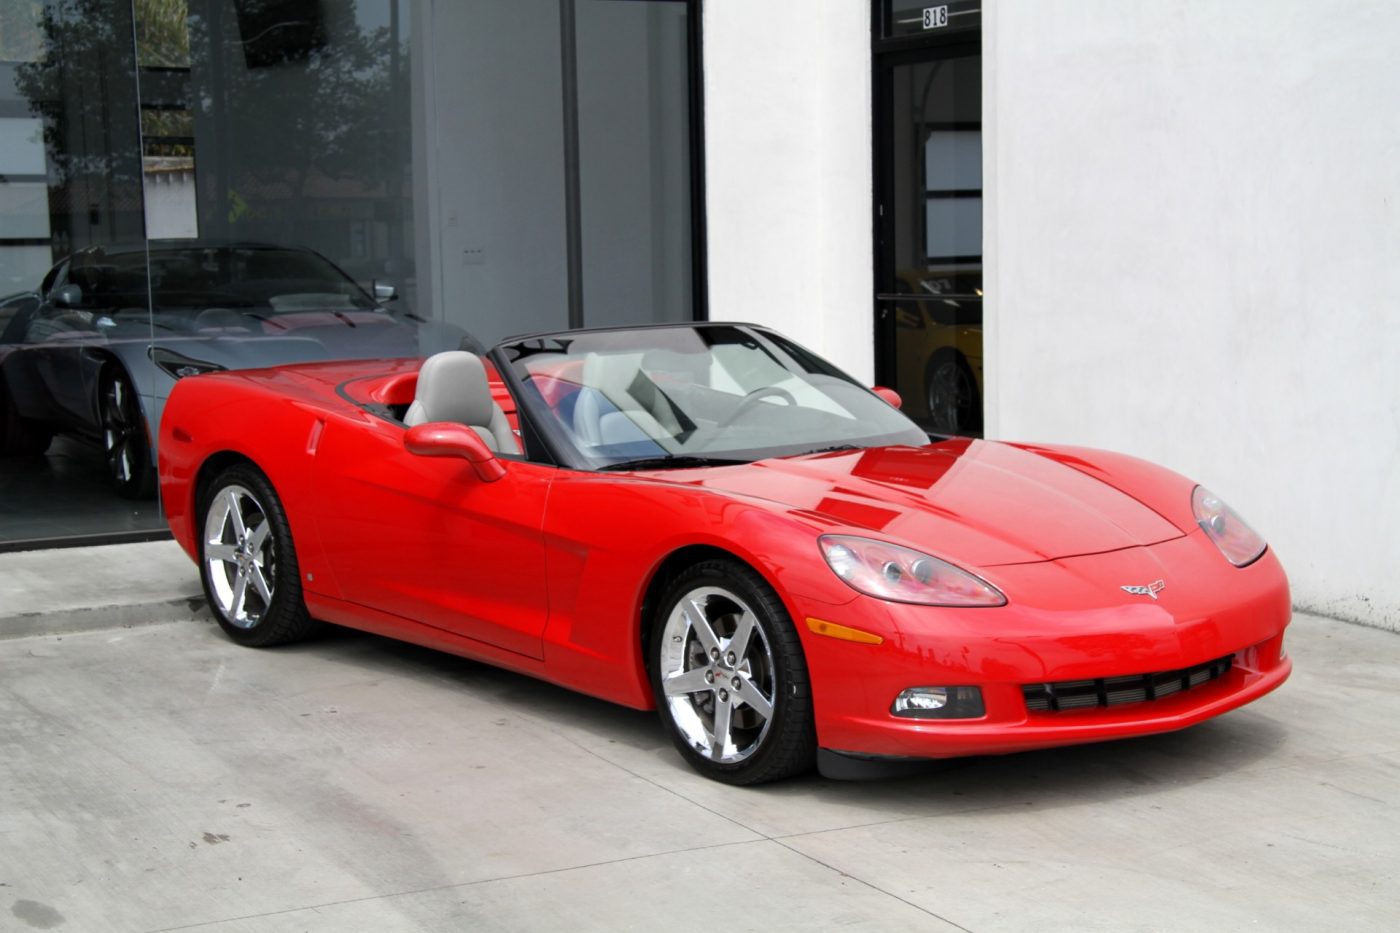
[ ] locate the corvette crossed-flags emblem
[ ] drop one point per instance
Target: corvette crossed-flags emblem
(1151, 589)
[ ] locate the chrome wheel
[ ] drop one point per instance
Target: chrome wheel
(717, 675)
(240, 556)
(248, 560)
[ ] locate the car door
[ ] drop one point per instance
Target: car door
(424, 538)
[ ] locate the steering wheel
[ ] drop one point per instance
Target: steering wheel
(748, 401)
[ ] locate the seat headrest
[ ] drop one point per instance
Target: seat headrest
(452, 386)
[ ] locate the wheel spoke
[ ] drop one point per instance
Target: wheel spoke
(695, 614)
(235, 514)
(260, 534)
(260, 584)
(215, 550)
(691, 681)
(743, 631)
(753, 697)
(720, 747)
(240, 593)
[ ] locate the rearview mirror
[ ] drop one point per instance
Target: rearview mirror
(449, 439)
(890, 396)
(68, 296)
(383, 291)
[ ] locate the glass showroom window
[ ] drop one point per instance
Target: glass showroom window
(195, 185)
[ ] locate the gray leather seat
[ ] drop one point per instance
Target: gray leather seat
(452, 386)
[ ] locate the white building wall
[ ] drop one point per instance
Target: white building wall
(787, 171)
(1193, 241)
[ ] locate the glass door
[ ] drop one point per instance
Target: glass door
(929, 233)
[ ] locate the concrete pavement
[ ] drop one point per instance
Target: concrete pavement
(74, 589)
(161, 778)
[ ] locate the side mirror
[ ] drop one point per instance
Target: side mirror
(68, 296)
(449, 439)
(890, 396)
(383, 291)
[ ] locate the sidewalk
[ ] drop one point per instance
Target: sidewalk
(160, 778)
(79, 589)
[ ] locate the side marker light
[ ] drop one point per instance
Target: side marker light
(843, 632)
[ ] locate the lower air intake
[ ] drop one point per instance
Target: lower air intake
(1114, 691)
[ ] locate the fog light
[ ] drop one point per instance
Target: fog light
(939, 703)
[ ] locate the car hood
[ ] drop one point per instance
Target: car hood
(974, 502)
(315, 341)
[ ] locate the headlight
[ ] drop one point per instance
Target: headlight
(177, 365)
(1240, 544)
(902, 575)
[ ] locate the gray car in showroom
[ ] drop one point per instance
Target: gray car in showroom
(94, 352)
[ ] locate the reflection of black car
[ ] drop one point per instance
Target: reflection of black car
(91, 355)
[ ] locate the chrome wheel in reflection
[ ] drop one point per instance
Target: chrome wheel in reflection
(124, 441)
(953, 405)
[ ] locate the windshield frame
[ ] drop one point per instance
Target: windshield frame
(545, 426)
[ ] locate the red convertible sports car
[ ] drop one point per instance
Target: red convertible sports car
(712, 521)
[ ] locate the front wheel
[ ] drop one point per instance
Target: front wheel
(124, 439)
(247, 562)
(729, 676)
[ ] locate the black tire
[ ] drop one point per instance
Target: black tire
(954, 407)
(266, 608)
(126, 444)
(732, 689)
(21, 437)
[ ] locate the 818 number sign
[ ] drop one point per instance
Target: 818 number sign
(935, 17)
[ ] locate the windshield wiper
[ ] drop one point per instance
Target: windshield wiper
(828, 450)
(671, 462)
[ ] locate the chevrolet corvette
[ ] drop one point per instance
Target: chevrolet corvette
(711, 521)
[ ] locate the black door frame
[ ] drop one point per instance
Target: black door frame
(886, 54)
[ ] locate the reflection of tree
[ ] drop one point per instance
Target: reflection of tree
(299, 145)
(19, 39)
(162, 38)
(77, 84)
(326, 115)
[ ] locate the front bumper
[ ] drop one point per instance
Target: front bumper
(1066, 620)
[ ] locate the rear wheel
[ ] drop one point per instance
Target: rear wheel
(729, 676)
(125, 442)
(248, 563)
(953, 404)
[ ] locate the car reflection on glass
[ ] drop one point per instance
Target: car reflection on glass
(939, 347)
(89, 355)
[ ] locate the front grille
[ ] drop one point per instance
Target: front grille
(1114, 691)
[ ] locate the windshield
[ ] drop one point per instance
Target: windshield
(185, 280)
(270, 279)
(687, 395)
